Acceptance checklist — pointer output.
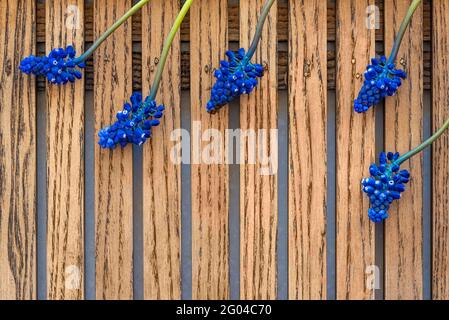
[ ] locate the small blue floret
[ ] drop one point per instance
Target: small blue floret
(59, 67)
(235, 77)
(134, 123)
(381, 79)
(385, 185)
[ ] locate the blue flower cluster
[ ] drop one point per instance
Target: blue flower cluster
(235, 77)
(59, 67)
(384, 186)
(381, 79)
(134, 123)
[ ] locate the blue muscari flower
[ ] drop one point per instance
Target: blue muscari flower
(59, 67)
(381, 79)
(235, 77)
(134, 123)
(385, 185)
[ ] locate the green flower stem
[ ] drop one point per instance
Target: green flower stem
(168, 42)
(397, 42)
(114, 27)
(263, 16)
(424, 145)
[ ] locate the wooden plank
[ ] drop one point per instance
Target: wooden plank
(403, 118)
(161, 179)
(113, 168)
(355, 152)
(210, 182)
(258, 181)
(17, 152)
(440, 156)
(65, 163)
(307, 149)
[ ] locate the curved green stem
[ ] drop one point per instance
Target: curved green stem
(168, 42)
(114, 27)
(404, 25)
(424, 145)
(263, 16)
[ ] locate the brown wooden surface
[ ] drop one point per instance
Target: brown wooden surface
(210, 182)
(17, 152)
(306, 32)
(113, 168)
(258, 182)
(161, 179)
(440, 161)
(403, 120)
(355, 152)
(65, 164)
(307, 150)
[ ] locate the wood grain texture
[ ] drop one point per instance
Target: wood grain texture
(17, 152)
(355, 152)
(162, 180)
(403, 120)
(258, 181)
(210, 176)
(113, 168)
(440, 156)
(65, 164)
(307, 149)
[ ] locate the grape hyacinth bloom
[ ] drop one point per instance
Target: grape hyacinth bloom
(382, 79)
(385, 185)
(61, 65)
(237, 75)
(387, 181)
(135, 122)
